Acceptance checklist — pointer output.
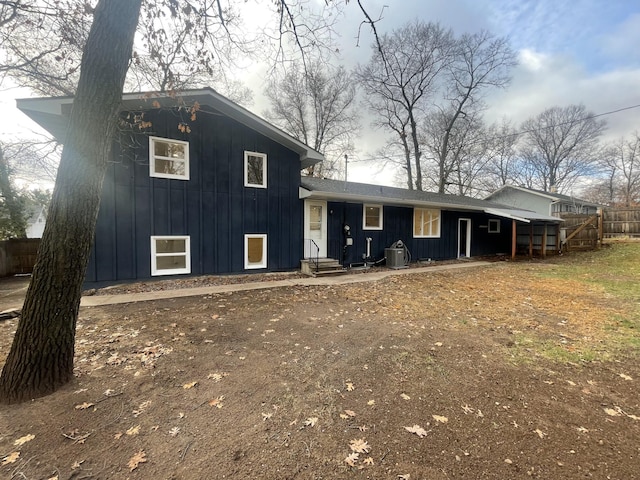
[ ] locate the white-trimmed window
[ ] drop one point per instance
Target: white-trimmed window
(372, 217)
(426, 223)
(168, 158)
(494, 225)
(255, 251)
(255, 169)
(170, 255)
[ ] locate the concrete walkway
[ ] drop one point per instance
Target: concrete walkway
(97, 300)
(12, 290)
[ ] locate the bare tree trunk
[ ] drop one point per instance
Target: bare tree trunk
(41, 356)
(416, 150)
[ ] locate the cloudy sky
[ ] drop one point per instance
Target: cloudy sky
(570, 51)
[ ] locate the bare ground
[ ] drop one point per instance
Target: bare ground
(494, 372)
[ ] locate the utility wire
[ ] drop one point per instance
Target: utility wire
(516, 134)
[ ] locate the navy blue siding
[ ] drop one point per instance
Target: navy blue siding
(213, 207)
(398, 225)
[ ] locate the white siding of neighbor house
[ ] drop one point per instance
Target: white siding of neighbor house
(523, 200)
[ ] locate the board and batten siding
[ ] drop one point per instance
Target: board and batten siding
(213, 207)
(398, 225)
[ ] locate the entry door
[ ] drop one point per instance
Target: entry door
(315, 228)
(464, 237)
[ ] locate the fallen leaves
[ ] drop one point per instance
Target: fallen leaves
(217, 402)
(418, 430)
(352, 458)
(137, 459)
(190, 385)
(23, 440)
(618, 412)
(311, 422)
(359, 445)
(440, 418)
(84, 406)
(11, 458)
(626, 377)
(133, 431)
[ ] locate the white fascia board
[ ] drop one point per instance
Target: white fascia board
(349, 197)
(505, 214)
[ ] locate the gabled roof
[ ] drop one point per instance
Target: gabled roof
(554, 197)
(52, 113)
(336, 190)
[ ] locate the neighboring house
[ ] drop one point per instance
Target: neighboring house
(353, 221)
(547, 203)
(225, 195)
(36, 219)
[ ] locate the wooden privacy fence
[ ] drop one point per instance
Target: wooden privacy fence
(579, 231)
(621, 222)
(18, 255)
(585, 231)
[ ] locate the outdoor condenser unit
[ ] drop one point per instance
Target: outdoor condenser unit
(395, 257)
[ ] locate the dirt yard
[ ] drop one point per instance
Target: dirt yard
(515, 370)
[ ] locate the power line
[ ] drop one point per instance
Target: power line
(515, 134)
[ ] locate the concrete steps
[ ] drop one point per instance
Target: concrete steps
(326, 267)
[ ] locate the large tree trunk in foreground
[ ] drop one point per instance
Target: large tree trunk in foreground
(41, 357)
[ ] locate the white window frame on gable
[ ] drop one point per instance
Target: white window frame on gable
(254, 263)
(369, 225)
(160, 256)
(249, 158)
(426, 222)
(494, 225)
(176, 154)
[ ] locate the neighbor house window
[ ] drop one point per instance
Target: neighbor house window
(255, 169)
(255, 251)
(372, 217)
(494, 226)
(170, 255)
(426, 222)
(168, 158)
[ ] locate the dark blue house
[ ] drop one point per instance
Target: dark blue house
(199, 185)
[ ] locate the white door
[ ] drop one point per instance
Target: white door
(464, 237)
(315, 229)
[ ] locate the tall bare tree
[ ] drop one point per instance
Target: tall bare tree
(620, 165)
(316, 106)
(481, 62)
(561, 145)
(503, 165)
(400, 79)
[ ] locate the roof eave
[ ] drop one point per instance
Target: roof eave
(51, 114)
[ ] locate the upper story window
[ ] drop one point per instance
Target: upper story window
(494, 226)
(426, 223)
(255, 169)
(168, 158)
(372, 217)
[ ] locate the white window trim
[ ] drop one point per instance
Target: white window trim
(246, 169)
(152, 159)
(173, 271)
(364, 217)
(496, 223)
(253, 266)
(439, 222)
